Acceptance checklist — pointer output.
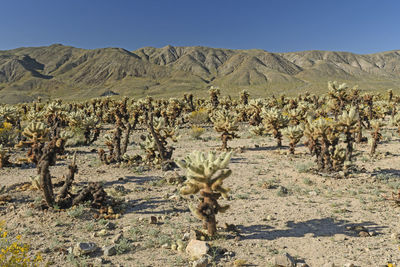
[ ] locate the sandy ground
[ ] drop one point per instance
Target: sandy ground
(278, 204)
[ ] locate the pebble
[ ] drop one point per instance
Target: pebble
(82, 248)
(186, 237)
(340, 237)
(109, 250)
(202, 262)
(284, 260)
(363, 234)
(395, 236)
(110, 226)
(197, 249)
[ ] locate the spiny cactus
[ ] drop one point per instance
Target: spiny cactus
(226, 123)
(36, 131)
(376, 136)
(274, 121)
(155, 143)
(4, 157)
(214, 94)
(244, 97)
(347, 124)
(294, 134)
(205, 174)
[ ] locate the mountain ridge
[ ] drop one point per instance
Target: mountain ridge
(74, 73)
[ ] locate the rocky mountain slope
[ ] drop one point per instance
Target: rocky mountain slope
(73, 73)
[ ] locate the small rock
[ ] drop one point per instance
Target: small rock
(269, 218)
(202, 262)
(349, 265)
(109, 250)
(117, 238)
(395, 236)
(312, 193)
(301, 264)
(153, 220)
(197, 249)
(372, 233)
(363, 234)
(110, 226)
(195, 234)
(186, 237)
(84, 248)
(166, 245)
(284, 260)
(340, 237)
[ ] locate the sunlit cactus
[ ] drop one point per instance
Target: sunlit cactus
(294, 134)
(226, 123)
(376, 136)
(4, 157)
(155, 143)
(214, 94)
(36, 132)
(244, 97)
(347, 123)
(9, 114)
(205, 174)
(258, 130)
(274, 121)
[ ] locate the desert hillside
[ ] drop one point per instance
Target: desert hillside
(74, 73)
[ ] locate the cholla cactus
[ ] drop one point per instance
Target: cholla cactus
(254, 112)
(205, 174)
(35, 132)
(155, 143)
(339, 158)
(274, 121)
(258, 130)
(244, 97)
(376, 136)
(226, 123)
(294, 134)
(347, 124)
(214, 94)
(9, 114)
(88, 124)
(4, 157)
(395, 121)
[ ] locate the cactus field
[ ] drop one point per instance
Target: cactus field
(130, 182)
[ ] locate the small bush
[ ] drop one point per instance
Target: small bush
(196, 132)
(198, 117)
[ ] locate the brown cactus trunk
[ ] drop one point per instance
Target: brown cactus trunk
(224, 139)
(209, 208)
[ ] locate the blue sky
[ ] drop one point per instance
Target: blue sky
(359, 26)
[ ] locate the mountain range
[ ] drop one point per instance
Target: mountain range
(59, 71)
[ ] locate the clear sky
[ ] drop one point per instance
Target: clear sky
(359, 26)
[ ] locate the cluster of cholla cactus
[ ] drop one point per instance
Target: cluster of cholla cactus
(226, 123)
(205, 175)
